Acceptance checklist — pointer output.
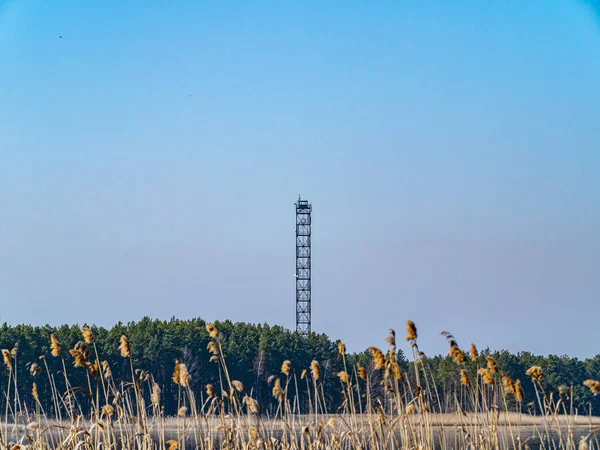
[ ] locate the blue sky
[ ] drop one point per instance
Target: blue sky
(151, 153)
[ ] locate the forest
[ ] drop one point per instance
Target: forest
(254, 354)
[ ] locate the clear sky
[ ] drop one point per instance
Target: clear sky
(151, 153)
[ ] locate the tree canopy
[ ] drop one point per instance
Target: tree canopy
(254, 353)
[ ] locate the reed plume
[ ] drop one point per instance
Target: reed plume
(391, 339)
(106, 370)
(55, 347)
(315, 369)
(458, 355)
(251, 404)
(277, 390)
(34, 393)
(155, 397)
(535, 372)
(411, 331)
(176, 377)
(362, 373)
(378, 357)
(486, 375)
(564, 389)
(78, 356)
(212, 331)
(108, 410)
(491, 364)
(388, 371)
(304, 374)
(464, 378)
(238, 385)
(213, 349)
(88, 336)
(474, 353)
(343, 376)
(508, 383)
(341, 349)
(83, 348)
(94, 369)
(452, 342)
(286, 367)
(145, 376)
(34, 369)
(519, 394)
(124, 347)
(184, 375)
(396, 371)
(182, 411)
(593, 385)
(253, 431)
(210, 391)
(7, 360)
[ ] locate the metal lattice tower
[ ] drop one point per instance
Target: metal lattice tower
(303, 230)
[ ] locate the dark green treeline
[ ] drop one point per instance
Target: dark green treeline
(254, 353)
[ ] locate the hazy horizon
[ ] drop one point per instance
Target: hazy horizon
(151, 155)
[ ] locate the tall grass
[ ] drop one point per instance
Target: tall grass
(383, 407)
